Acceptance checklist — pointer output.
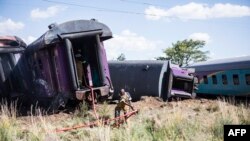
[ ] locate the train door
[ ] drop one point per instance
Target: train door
(86, 62)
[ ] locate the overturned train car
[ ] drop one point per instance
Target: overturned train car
(11, 48)
(151, 78)
(67, 62)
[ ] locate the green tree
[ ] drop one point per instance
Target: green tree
(121, 57)
(185, 52)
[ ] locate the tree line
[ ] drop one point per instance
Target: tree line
(183, 52)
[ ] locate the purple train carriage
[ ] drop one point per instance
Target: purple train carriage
(11, 47)
(66, 63)
(151, 78)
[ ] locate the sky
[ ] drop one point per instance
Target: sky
(142, 29)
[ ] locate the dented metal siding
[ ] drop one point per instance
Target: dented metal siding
(61, 69)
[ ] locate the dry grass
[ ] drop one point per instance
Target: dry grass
(157, 120)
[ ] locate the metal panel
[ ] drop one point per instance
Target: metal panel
(151, 78)
(139, 78)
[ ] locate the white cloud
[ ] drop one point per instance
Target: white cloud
(49, 12)
(8, 26)
(200, 36)
(29, 39)
(154, 13)
(198, 11)
(133, 46)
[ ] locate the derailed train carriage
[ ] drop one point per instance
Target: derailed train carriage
(67, 62)
(151, 78)
(225, 77)
(11, 48)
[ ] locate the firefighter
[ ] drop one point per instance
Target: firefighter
(123, 105)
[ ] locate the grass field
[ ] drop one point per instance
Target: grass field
(196, 120)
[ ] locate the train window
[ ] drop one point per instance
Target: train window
(248, 79)
(224, 79)
(236, 80)
(214, 79)
(205, 79)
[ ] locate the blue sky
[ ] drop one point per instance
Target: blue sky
(141, 28)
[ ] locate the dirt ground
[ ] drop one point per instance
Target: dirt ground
(186, 119)
(146, 104)
(199, 108)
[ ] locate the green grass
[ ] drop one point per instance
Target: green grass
(182, 121)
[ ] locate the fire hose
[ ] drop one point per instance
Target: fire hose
(93, 102)
(95, 123)
(92, 95)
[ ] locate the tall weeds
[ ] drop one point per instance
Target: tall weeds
(179, 122)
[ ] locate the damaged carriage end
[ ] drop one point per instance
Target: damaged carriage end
(182, 82)
(88, 68)
(69, 59)
(150, 78)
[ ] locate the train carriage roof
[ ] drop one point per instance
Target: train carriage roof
(146, 64)
(223, 64)
(71, 29)
(11, 44)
